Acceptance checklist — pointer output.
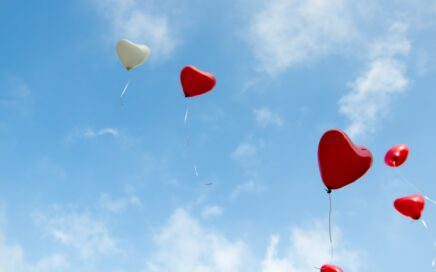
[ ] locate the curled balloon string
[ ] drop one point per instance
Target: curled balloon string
(433, 263)
(125, 89)
(188, 140)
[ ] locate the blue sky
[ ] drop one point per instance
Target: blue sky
(92, 183)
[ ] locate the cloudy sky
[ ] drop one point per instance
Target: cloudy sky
(91, 183)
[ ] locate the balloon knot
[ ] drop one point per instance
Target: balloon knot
(328, 190)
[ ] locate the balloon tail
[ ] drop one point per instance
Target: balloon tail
(188, 141)
(330, 226)
(125, 89)
(433, 263)
(186, 114)
(195, 170)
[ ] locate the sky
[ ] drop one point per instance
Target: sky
(90, 182)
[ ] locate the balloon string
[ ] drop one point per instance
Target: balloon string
(433, 263)
(417, 190)
(330, 225)
(125, 89)
(429, 199)
(188, 140)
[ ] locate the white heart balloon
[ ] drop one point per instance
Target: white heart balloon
(131, 54)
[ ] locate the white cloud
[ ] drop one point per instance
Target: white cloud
(108, 131)
(265, 117)
(310, 247)
(372, 93)
(184, 245)
(90, 133)
(11, 257)
(88, 236)
(142, 22)
(247, 187)
(211, 211)
(119, 205)
(247, 156)
(244, 150)
(55, 262)
(288, 32)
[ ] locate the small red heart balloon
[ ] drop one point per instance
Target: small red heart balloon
(196, 82)
(397, 155)
(340, 161)
(410, 206)
(330, 268)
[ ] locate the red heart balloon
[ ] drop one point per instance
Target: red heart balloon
(340, 161)
(196, 82)
(410, 206)
(331, 268)
(397, 155)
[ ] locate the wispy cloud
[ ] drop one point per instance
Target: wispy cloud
(211, 211)
(309, 247)
(13, 259)
(56, 262)
(142, 22)
(89, 237)
(284, 33)
(265, 117)
(372, 93)
(184, 244)
(120, 204)
(248, 155)
(11, 256)
(244, 150)
(91, 133)
(247, 187)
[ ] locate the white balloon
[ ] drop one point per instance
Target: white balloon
(131, 54)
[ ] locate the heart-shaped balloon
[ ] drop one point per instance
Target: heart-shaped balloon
(131, 54)
(397, 155)
(330, 268)
(340, 161)
(410, 206)
(196, 82)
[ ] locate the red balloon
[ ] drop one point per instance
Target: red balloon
(340, 161)
(410, 206)
(196, 82)
(397, 155)
(331, 268)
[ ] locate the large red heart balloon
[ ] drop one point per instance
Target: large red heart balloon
(196, 82)
(410, 206)
(397, 155)
(340, 161)
(330, 268)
